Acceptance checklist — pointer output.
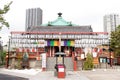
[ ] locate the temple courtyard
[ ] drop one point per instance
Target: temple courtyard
(38, 74)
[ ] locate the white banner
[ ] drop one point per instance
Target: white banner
(61, 69)
(94, 54)
(82, 56)
(43, 60)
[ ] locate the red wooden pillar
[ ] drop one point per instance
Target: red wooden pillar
(73, 56)
(43, 69)
(75, 65)
(7, 65)
(74, 62)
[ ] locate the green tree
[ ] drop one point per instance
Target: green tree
(115, 41)
(3, 11)
(2, 57)
(88, 64)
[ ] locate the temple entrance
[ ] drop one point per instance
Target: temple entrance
(68, 50)
(51, 50)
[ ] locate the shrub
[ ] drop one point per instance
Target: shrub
(88, 64)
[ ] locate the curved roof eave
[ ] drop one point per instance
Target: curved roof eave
(59, 22)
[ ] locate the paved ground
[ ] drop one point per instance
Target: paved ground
(98, 74)
(49, 75)
(103, 74)
(5, 72)
(9, 77)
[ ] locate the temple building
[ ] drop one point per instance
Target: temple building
(58, 35)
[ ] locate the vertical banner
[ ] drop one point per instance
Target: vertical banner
(48, 43)
(72, 43)
(56, 43)
(52, 43)
(82, 56)
(68, 43)
(94, 54)
(65, 43)
(43, 60)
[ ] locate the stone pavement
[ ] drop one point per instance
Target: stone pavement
(103, 74)
(97, 74)
(49, 75)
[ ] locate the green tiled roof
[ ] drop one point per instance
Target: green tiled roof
(59, 22)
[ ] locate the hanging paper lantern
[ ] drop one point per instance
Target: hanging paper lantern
(17, 50)
(38, 58)
(20, 49)
(95, 49)
(23, 50)
(33, 50)
(100, 51)
(28, 50)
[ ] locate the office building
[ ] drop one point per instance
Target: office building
(33, 18)
(111, 21)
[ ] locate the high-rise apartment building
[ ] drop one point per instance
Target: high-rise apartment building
(111, 21)
(33, 18)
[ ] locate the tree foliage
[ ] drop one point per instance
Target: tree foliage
(2, 57)
(88, 64)
(115, 41)
(3, 11)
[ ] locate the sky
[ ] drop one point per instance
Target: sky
(80, 12)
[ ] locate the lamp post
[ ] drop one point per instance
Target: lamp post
(59, 42)
(0, 45)
(0, 50)
(8, 52)
(110, 57)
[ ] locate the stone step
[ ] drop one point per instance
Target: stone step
(51, 61)
(69, 64)
(79, 65)
(38, 64)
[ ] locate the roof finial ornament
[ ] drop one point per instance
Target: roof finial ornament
(59, 14)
